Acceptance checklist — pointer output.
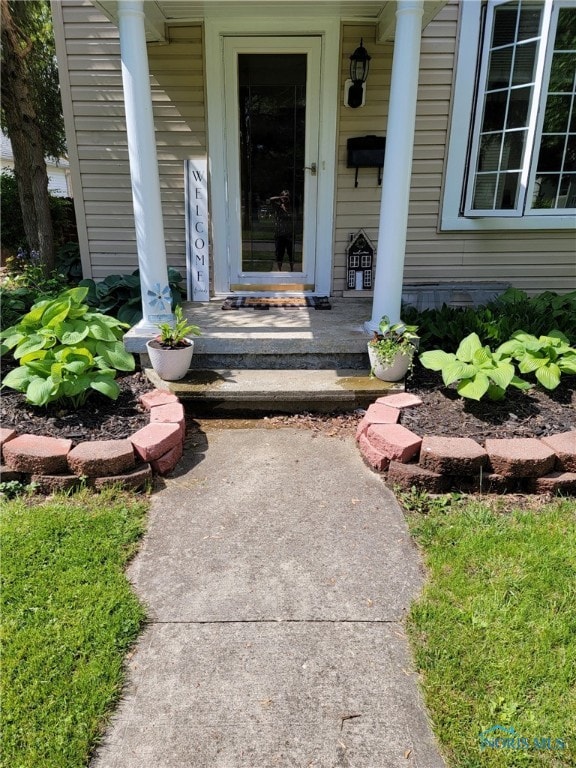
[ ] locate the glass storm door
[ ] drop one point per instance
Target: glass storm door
(272, 150)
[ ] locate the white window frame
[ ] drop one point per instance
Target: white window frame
(453, 218)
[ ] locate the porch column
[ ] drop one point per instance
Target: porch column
(143, 168)
(397, 164)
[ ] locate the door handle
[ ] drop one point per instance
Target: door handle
(312, 168)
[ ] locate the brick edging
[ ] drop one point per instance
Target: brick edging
(438, 464)
(53, 464)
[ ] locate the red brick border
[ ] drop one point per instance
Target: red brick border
(54, 465)
(437, 464)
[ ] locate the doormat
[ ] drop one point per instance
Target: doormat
(276, 302)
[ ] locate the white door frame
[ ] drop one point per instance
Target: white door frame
(311, 48)
(214, 32)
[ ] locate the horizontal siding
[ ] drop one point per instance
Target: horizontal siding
(92, 53)
(533, 261)
(358, 208)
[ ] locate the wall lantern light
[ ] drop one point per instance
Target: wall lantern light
(355, 91)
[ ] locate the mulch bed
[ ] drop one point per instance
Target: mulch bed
(99, 419)
(533, 414)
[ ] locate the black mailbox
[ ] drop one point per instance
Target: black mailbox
(366, 152)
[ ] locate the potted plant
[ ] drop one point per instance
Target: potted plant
(391, 350)
(171, 351)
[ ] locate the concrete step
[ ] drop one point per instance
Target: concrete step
(277, 391)
(287, 359)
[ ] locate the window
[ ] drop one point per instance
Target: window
(518, 159)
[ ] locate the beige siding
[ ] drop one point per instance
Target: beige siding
(90, 63)
(534, 261)
(96, 111)
(358, 208)
(530, 260)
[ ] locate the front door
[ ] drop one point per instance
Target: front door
(272, 134)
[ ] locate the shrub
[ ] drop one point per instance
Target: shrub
(13, 234)
(495, 322)
(120, 295)
(514, 310)
(27, 283)
(65, 351)
(14, 303)
(68, 262)
(443, 327)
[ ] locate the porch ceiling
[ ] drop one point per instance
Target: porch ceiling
(159, 13)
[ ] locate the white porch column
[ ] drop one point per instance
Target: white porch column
(143, 168)
(397, 164)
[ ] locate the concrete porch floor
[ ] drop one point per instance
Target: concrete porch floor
(275, 331)
(281, 360)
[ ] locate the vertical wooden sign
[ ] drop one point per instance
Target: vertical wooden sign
(197, 251)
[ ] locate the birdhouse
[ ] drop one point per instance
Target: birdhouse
(360, 262)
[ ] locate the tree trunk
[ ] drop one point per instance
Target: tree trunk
(24, 133)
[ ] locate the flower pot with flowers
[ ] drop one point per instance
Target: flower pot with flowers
(391, 350)
(171, 351)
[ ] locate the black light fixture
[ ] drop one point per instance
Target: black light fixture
(359, 66)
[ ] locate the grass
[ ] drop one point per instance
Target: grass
(68, 619)
(494, 633)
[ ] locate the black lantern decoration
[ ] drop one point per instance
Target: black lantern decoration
(359, 66)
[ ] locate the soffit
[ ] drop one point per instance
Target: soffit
(160, 13)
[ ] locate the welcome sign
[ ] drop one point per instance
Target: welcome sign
(197, 245)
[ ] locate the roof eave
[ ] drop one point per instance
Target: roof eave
(156, 21)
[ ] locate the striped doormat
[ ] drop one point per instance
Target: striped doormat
(276, 302)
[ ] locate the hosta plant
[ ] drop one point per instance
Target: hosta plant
(547, 357)
(66, 351)
(478, 371)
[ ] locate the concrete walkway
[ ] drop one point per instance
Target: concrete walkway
(277, 571)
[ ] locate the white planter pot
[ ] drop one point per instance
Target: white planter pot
(170, 364)
(393, 371)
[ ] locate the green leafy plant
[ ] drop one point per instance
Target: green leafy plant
(443, 327)
(14, 302)
(393, 338)
(174, 336)
(10, 489)
(477, 370)
(496, 321)
(423, 503)
(120, 295)
(514, 310)
(13, 233)
(65, 351)
(26, 283)
(547, 356)
(68, 262)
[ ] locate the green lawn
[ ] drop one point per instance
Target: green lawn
(494, 633)
(68, 618)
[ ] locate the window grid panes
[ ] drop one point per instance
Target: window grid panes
(523, 149)
(506, 108)
(555, 176)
